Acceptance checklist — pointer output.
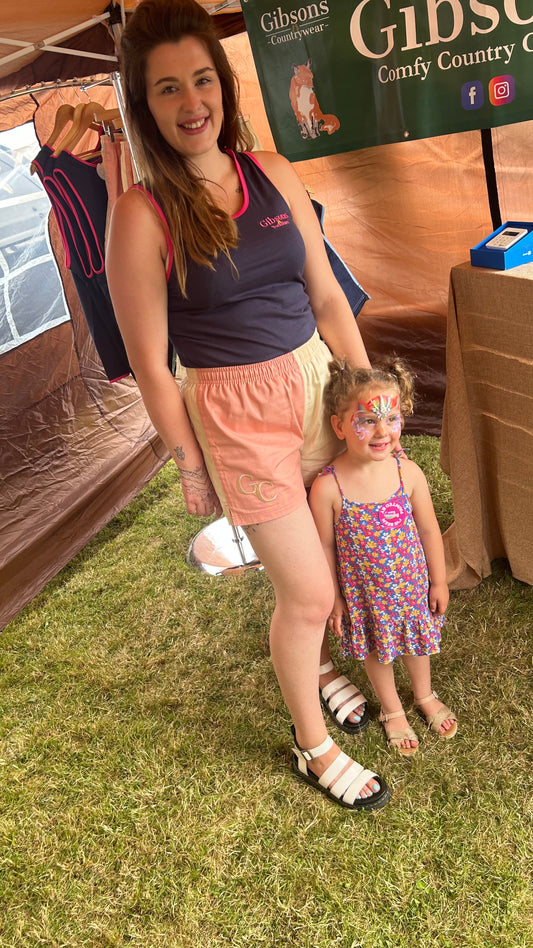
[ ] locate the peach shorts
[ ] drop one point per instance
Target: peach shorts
(263, 430)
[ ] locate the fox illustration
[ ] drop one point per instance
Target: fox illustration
(311, 120)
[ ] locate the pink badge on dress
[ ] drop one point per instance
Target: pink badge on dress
(391, 514)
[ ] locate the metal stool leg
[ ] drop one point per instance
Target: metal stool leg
(221, 548)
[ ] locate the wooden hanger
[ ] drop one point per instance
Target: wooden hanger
(111, 125)
(64, 114)
(101, 114)
(87, 115)
(113, 133)
(72, 134)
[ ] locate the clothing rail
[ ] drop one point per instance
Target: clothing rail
(82, 84)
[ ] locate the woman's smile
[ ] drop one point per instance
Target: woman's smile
(194, 127)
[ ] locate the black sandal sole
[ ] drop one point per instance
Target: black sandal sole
(375, 802)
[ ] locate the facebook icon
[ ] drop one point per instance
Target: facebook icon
(472, 95)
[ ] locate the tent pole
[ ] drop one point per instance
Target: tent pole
(116, 79)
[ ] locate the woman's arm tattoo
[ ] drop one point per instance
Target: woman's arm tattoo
(197, 482)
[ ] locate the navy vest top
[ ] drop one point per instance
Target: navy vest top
(256, 310)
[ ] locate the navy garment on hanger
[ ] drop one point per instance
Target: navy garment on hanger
(353, 290)
(79, 199)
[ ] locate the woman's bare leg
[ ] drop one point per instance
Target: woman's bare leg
(291, 553)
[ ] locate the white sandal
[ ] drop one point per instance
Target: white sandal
(344, 791)
(342, 690)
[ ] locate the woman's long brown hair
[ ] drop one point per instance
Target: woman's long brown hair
(197, 226)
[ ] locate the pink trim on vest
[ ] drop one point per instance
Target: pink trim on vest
(256, 162)
(244, 186)
(159, 210)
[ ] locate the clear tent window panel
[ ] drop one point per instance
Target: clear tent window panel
(31, 293)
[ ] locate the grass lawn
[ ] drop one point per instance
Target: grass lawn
(146, 796)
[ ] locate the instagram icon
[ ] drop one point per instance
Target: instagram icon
(501, 90)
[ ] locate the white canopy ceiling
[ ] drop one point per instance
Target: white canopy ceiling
(34, 29)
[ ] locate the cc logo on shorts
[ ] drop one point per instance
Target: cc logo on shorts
(246, 485)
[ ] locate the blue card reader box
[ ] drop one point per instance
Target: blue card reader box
(512, 245)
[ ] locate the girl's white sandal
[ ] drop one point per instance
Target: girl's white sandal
(346, 789)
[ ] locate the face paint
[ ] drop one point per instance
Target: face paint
(381, 408)
(360, 429)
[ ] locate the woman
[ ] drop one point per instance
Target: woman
(222, 253)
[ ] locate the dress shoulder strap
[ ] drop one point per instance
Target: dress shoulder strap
(330, 469)
(399, 455)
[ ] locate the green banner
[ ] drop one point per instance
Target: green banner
(338, 75)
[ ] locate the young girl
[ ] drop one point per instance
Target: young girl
(377, 525)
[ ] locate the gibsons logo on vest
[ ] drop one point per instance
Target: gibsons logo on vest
(280, 220)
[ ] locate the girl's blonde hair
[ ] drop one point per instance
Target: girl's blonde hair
(197, 226)
(346, 382)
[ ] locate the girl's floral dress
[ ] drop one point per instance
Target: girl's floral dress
(383, 576)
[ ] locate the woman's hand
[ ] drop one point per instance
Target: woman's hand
(199, 493)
